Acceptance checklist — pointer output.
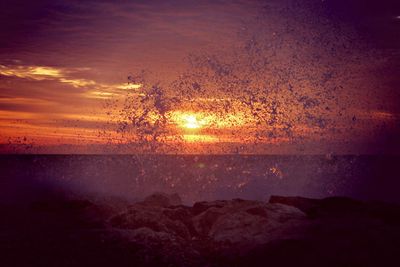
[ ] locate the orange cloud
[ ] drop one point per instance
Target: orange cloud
(64, 75)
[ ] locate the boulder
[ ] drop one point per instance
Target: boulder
(153, 217)
(327, 207)
(244, 222)
(245, 232)
(162, 200)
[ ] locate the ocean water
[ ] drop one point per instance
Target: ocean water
(200, 177)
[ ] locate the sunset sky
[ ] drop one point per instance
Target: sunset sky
(200, 76)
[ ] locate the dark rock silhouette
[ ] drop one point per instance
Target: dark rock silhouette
(160, 231)
(162, 200)
(332, 206)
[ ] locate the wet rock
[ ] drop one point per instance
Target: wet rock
(162, 200)
(327, 207)
(243, 228)
(153, 217)
(199, 207)
(204, 221)
(158, 231)
(207, 213)
(182, 214)
(244, 222)
(259, 211)
(145, 247)
(304, 204)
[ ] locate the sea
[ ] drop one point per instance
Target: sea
(200, 177)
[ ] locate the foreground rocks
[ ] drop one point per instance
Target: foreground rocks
(160, 231)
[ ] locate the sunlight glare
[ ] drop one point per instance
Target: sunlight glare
(191, 122)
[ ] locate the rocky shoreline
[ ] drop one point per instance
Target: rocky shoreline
(160, 231)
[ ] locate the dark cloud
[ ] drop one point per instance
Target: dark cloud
(109, 34)
(376, 21)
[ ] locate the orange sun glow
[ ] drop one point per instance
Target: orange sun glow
(191, 122)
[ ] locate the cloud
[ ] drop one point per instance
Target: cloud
(45, 101)
(61, 59)
(40, 73)
(31, 72)
(63, 75)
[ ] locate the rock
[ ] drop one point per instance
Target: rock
(304, 204)
(203, 222)
(182, 214)
(286, 231)
(162, 200)
(242, 228)
(153, 217)
(327, 207)
(243, 222)
(199, 207)
(153, 248)
(207, 213)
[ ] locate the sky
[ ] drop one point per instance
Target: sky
(200, 76)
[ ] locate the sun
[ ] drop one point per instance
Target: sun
(188, 120)
(191, 122)
(199, 120)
